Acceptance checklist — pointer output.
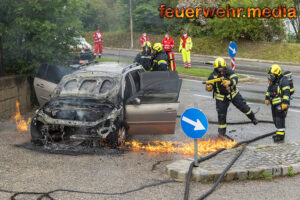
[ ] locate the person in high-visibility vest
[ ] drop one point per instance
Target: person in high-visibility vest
(185, 48)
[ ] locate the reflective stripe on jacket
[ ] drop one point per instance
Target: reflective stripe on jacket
(278, 94)
(187, 45)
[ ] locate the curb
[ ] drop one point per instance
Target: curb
(225, 57)
(178, 171)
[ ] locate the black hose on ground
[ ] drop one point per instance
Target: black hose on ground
(43, 195)
(223, 174)
(243, 143)
(238, 123)
(244, 122)
(189, 175)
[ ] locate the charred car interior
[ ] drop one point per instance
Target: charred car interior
(105, 101)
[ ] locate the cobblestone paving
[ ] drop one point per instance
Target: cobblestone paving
(256, 162)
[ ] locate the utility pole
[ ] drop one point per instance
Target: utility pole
(1, 58)
(131, 28)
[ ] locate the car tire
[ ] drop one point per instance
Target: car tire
(118, 137)
(35, 131)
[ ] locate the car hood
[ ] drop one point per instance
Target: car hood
(78, 108)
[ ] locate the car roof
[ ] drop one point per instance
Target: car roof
(110, 67)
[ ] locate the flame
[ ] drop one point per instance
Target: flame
(22, 125)
(204, 147)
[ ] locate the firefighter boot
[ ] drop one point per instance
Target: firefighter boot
(252, 117)
(279, 137)
(222, 133)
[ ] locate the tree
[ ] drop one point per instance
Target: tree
(251, 28)
(37, 31)
(6, 19)
(296, 21)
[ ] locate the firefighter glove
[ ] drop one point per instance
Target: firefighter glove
(267, 102)
(209, 88)
(284, 106)
(225, 83)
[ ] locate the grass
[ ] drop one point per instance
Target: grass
(278, 51)
(198, 72)
(266, 175)
(111, 60)
(193, 71)
(291, 172)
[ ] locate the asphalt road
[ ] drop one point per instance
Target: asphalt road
(27, 171)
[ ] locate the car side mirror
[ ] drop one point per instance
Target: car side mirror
(136, 101)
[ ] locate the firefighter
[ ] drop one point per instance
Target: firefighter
(144, 57)
(185, 48)
(144, 38)
(160, 60)
(168, 45)
(225, 91)
(98, 41)
(278, 95)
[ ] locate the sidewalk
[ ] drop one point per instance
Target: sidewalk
(260, 162)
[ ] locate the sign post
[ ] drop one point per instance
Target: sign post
(232, 53)
(194, 124)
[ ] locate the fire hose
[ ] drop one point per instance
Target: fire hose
(189, 174)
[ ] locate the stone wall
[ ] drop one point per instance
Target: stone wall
(14, 88)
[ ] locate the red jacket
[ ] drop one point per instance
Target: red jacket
(168, 44)
(98, 37)
(142, 40)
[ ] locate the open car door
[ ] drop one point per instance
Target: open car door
(47, 78)
(157, 111)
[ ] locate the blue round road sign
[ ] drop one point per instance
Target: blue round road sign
(232, 49)
(194, 123)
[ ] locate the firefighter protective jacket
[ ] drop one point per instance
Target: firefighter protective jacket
(221, 92)
(186, 43)
(279, 91)
(167, 44)
(144, 60)
(160, 61)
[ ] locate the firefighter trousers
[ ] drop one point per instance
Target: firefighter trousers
(279, 119)
(222, 106)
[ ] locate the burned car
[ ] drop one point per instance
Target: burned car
(108, 101)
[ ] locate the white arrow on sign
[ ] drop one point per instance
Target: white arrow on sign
(233, 50)
(198, 125)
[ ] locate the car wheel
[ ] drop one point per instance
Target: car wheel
(117, 138)
(35, 131)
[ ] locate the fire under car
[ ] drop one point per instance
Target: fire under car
(105, 101)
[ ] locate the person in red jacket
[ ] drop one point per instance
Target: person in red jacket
(144, 38)
(98, 41)
(168, 43)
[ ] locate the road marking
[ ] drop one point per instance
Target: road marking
(292, 110)
(199, 95)
(198, 126)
